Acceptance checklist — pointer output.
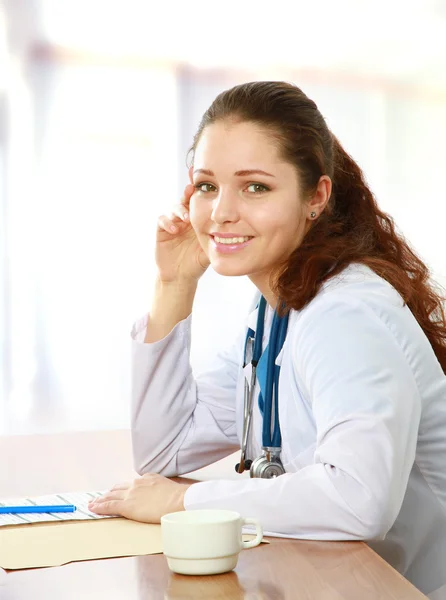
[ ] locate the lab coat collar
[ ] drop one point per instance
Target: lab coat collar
(251, 321)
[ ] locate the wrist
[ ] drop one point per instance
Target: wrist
(179, 501)
(172, 302)
(183, 289)
(180, 283)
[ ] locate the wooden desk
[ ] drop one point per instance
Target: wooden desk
(283, 569)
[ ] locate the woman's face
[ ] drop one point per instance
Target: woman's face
(247, 210)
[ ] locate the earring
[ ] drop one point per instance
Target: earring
(313, 215)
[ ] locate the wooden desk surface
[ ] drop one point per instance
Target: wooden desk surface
(282, 569)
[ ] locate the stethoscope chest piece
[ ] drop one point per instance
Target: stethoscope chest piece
(269, 465)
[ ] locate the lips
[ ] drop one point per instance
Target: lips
(232, 239)
(230, 243)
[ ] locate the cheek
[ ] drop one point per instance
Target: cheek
(286, 229)
(280, 223)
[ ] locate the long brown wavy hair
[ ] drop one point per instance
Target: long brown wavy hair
(352, 228)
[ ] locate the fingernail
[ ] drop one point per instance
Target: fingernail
(173, 228)
(186, 215)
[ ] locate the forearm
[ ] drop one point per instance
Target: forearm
(302, 505)
(172, 302)
(162, 403)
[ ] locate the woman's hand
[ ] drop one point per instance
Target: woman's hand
(178, 255)
(145, 499)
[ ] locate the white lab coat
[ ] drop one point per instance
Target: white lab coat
(362, 410)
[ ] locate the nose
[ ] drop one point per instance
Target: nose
(225, 207)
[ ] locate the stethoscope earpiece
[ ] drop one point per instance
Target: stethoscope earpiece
(248, 464)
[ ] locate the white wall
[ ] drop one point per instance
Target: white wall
(111, 145)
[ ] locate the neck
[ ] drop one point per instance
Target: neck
(262, 283)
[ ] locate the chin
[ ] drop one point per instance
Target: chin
(229, 270)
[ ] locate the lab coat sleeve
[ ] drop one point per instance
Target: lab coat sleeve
(366, 406)
(180, 423)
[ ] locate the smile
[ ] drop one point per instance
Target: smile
(233, 240)
(229, 245)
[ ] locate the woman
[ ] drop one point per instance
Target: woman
(359, 442)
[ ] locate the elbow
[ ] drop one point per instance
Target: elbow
(141, 459)
(375, 530)
(154, 466)
(368, 511)
(140, 463)
(152, 460)
(141, 467)
(374, 522)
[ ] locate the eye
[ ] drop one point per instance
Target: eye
(257, 188)
(205, 187)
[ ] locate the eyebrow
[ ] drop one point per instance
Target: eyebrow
(243, 173)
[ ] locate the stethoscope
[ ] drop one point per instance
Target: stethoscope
(269, 464)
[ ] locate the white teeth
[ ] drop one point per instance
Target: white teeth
(234, 240)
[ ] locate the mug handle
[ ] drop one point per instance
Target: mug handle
(259, 533)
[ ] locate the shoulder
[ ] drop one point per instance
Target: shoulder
(357, 304)
(359, 283)
(357, 286)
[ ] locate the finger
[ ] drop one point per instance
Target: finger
(111, 507)
(111, 495)
(179, 214)
(188, 192)
(121, 486)
(151, 476)
(180, 211)
(189, 189)
(166, 224)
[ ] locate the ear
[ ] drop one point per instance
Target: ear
(320, 198)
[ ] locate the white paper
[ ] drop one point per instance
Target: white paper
(79, 499)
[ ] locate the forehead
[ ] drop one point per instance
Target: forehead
(227, 143)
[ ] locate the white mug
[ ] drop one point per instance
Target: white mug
(205, 541)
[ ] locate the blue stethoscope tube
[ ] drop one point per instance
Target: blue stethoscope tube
(271, 436)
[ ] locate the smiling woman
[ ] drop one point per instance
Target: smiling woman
(262, 206)
(335, 389)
